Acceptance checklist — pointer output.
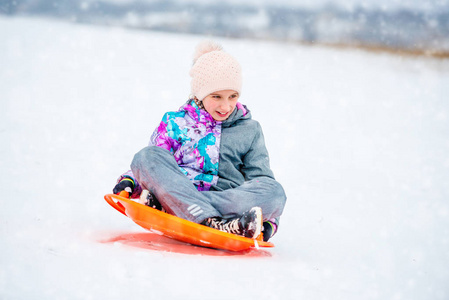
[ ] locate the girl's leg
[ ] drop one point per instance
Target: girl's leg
(264, 192)
(156, 170)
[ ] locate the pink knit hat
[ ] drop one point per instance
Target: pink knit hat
(214, 70)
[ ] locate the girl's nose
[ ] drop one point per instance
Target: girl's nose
(225, 104)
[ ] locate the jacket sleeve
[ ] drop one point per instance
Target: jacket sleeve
(160, 138)
(256, 162)
(160, 135)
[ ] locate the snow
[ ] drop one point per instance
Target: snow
(359, 141)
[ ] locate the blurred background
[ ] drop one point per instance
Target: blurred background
(418, 27)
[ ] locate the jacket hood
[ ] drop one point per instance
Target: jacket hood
(241, 112)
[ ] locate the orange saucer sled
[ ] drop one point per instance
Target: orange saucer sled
(181, 229)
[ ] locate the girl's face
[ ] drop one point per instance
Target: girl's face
(221, 104)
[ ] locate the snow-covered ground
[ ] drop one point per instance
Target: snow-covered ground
(359, 140)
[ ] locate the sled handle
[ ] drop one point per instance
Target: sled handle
(124, 194)
(119, 207)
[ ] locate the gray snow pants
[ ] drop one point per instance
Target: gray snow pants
(157, 171)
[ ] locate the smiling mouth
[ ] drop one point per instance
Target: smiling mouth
(222, 114)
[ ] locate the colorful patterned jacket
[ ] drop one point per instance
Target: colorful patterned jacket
(213, 155)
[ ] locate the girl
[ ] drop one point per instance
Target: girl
(207, 162)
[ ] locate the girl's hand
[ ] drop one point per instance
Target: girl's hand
(126, 184)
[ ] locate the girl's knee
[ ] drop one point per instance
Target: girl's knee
(149, 156)
(274, 187)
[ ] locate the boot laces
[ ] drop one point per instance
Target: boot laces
(227, 226)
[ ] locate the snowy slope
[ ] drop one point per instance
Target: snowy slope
(359, 141)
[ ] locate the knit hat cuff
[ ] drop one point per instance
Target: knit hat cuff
(220, 86)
